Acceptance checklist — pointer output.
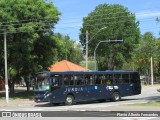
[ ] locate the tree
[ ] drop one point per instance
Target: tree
(117, 23)
(77, 53)
(25, 22)
(1, 60)
(68, 49)
(142, 55)
(45, 50)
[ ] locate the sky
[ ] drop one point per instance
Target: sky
(73, 12)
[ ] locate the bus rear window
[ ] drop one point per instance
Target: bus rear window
(134, 78)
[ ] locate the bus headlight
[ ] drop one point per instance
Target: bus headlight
(48, 94)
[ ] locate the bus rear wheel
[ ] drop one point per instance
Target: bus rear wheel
(69, 100)
(116, 97)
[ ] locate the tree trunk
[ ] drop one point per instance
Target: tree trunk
(11, 85)
(27, 85)
(110, 62)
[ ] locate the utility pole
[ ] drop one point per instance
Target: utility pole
(86, 50)
(6, 71)
(87, 41)
(152, 71)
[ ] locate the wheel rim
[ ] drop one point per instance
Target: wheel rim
(116, 96)
(69, 100)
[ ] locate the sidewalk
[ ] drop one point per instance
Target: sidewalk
(17, 103)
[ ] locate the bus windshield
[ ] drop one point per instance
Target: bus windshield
(42, 84)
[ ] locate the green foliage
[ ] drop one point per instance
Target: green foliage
(45, 49)
(144, 52)
(68, 49)
(1, 60)
(150, 103)
(26, 22)
(90, 64)
(117, 23)
(31, 44)
(141, 58)
(27, 15)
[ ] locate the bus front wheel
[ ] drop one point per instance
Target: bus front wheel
(116, 97)
(69, 100)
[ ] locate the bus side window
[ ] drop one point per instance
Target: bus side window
(66, 80)
(134, 78)
(117, 78)
(109, 79)
(78, 79)
(79, 82)
(96, 79)
(99, 79)
(53, 81)
(88, 79)
(56, 81)
(71, 80)
(102, 79)
(59, 81)
(125, 78)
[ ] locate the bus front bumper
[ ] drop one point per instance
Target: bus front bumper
(39, 98)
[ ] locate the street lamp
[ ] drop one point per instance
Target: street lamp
(88, 42)
(107, 41)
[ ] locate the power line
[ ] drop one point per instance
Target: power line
(16, 30)
(18, 26)
(77, 26)
(29, 20)
(100, 24)
(28, 31)
(103, 17)
(116, 18)
(74, 26)
(47, 22)
(148, 9)
(146, 28)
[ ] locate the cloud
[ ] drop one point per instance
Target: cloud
(146, 14)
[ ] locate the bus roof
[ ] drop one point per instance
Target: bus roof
(88, 72)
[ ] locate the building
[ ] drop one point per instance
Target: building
(65, 65)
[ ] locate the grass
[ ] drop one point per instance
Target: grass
(21, 95)
(152, 103)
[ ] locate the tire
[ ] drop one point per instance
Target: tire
(69, 100)
(116, 97)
